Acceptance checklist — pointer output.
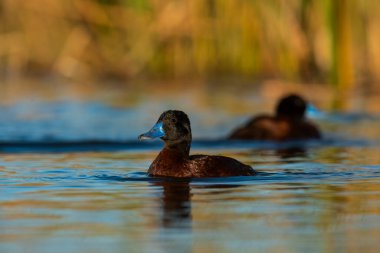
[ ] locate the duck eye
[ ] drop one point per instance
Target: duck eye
(174, 120)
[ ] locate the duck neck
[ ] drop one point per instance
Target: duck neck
(290, 118)
(181, 148)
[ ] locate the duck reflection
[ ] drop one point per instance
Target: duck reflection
(175, 220)
(176, 204)
(293, 152)
(175, 223)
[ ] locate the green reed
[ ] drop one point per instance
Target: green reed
(299, 40)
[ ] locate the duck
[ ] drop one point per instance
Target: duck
(289, 123)
(174, 160)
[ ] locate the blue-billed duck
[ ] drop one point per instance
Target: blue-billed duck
(173, 127)
(289, 123)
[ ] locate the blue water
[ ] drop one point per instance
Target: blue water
(73, 178)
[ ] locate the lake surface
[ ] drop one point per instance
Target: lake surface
(72, 179)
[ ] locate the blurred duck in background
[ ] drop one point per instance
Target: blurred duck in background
(289, 123)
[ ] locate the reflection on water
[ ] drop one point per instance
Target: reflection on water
(288, 153)
(87, 196)
(91, 121)
(175, 219)
(176, 205)
(104, 202)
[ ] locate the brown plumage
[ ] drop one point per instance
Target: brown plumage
(173, 127)
(289, 123)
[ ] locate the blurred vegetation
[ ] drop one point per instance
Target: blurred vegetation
(335, 42)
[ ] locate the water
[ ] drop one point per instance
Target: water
(72, 178)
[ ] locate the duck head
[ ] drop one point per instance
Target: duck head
(173, 127)
(291, 106)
